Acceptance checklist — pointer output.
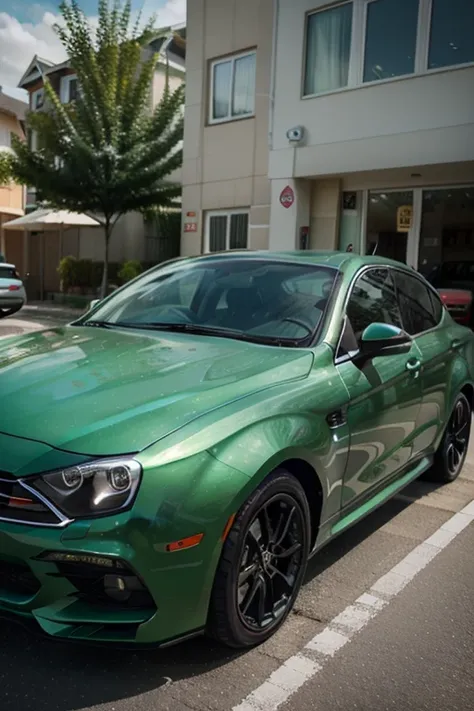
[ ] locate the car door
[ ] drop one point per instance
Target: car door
(422, 312)
(385, 393)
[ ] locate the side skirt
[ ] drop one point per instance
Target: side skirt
(329, 532)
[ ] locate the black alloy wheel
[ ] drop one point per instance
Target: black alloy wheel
(272, 556)
(451, 455)
(262, 564)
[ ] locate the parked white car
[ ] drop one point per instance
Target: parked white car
(12, 291)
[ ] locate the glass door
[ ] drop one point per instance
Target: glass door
(389, 224)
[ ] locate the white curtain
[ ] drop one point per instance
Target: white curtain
(221, 90)
(328, 49)
(243, 99)
(217, 233)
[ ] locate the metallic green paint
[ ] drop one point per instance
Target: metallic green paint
(208, 419)
(380, 332)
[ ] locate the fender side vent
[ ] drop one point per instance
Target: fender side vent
(336, 419)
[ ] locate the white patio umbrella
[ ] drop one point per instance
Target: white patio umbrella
(44, 219)
(48, 219)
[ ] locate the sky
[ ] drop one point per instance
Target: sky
(27, 30)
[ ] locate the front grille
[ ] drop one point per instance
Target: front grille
(18, 579)
(21, 505)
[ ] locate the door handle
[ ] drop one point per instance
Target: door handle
(456, 344)
(413, 366)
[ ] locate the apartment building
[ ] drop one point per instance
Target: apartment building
(370, 135)
(226, 190)
(12, 117)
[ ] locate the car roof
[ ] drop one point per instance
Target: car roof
(7, 266)
(337, 260)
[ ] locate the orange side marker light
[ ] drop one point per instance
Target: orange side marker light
(189, 542)
(228, 526)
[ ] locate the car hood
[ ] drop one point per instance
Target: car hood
(104, 392)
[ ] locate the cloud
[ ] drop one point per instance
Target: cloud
(20, 41)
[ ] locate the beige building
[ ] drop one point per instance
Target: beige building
(367, 139)
(12, 197)
(226, 191)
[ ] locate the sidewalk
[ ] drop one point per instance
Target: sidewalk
(45, 309)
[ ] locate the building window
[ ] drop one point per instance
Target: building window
(227, 230)
(452, 33)
(390, 54)
(37, 99)
(5, 138)
(328, 49)
(68, 88)
(233, 88)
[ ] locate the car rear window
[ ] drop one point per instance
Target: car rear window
(8, 272)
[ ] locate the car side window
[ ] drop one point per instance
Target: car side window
(373, 300)
(416, 305)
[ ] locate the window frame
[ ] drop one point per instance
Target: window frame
(65, 87)
(6, 135)
(223, 60)
(34, 98)
(224, 213)
(363, 49)
(358, 43)
(352, 49)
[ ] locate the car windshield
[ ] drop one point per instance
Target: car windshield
(250, 299)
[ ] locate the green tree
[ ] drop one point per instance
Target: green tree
(106, 153)
(6, 175)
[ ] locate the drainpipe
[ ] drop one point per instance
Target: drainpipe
(276, 5)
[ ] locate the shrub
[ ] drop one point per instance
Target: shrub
(83, 274)
(66, 272)
(129, 271)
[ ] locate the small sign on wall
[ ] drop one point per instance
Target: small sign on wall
(190, 227)
(404, 218)
(287, 197)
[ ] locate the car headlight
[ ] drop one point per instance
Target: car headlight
(91, 489)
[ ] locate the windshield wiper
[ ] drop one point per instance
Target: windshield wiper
(208, 331)
(98, 324)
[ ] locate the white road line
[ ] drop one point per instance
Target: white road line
(305, 665)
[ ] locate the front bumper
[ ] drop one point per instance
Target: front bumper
(69, 601)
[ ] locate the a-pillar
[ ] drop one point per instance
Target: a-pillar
(290, 213)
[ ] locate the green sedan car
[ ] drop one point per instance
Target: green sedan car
(170, 461)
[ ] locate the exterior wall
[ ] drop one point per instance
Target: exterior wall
(226, 165)
(11, 196)
(159, 83)
(424, 119)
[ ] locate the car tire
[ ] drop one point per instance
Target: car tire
(9, 312)
(262, 564)
(451, 454)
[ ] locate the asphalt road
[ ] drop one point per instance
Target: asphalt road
(416, 654)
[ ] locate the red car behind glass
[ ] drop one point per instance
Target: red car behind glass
(455, 284)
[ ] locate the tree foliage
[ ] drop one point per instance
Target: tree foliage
(108, 152)
(6, 174)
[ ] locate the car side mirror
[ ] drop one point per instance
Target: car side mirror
(383, 339)
(93, 304)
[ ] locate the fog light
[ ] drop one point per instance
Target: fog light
(116, 588)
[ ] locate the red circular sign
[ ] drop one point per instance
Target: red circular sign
(287, 197)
